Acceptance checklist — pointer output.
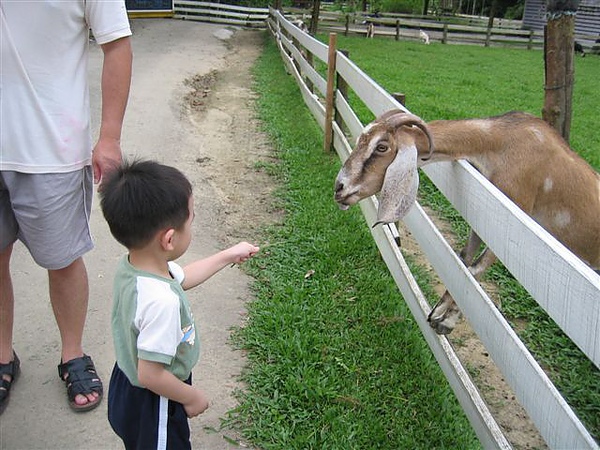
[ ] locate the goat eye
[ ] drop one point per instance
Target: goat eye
(382, 147)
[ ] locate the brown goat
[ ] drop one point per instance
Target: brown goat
(519, 153)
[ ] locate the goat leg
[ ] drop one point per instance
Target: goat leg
(485, 260)
(445, 314)
(467, 254)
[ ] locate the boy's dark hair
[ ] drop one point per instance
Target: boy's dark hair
(141, 197)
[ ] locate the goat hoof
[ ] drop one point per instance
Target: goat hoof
(440, 328)
(443, 320)
(437, 323)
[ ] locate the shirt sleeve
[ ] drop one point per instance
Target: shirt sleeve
(107, 19)
(176, 272)
(158, 321)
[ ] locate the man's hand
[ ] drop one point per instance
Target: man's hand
(105, 157)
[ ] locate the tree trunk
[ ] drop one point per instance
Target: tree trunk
(425, 7)
(493, 12)
(314, 20)
(558, 62)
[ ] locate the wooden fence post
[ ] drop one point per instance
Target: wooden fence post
(331, 71)
(487, 36)
(397, 29)
(347, 25)
(400, 98)
(530, 43)
(559, 65)
(445, 34)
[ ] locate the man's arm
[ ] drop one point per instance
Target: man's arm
(116, 80)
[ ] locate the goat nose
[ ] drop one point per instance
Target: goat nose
(339, 186)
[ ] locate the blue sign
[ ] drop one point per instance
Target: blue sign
(149, 5)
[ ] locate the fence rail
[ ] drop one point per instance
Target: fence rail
(220, 13)
(397, 26)
(502, 33)
(551, 273)
(438, 32)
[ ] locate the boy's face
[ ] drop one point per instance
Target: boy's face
(184, 234)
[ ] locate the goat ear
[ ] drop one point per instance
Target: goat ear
(400, 186)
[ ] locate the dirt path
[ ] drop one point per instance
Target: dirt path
(216, 143)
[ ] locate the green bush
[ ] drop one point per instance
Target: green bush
(398, 6)
(514, 12)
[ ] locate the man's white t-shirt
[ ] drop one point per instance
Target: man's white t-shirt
(44, 99)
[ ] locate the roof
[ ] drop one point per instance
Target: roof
(587, 20)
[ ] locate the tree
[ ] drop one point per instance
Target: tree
(314, 20)
(425, 7)
(558, 63)
(498, 8)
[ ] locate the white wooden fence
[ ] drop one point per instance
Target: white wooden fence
(392, 25)
(466, 30)
(563, 285)
(408, 28)
(220, 13)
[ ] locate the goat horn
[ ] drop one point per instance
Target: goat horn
(400, 119)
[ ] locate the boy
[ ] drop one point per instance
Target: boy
(149, 209)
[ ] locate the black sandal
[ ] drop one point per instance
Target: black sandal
(12, 369)
(81, 378)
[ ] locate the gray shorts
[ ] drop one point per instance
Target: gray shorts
(49, 213)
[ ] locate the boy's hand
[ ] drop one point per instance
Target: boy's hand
(197, 405)
(242, 252)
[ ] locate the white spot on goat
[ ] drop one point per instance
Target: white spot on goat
(484, 125)
(562, 219)
(548, 183)
(539, 134)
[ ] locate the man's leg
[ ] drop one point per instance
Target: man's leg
(6, 307)
(69, 294)
(9, 363)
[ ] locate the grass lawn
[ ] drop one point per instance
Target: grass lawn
(336, 360)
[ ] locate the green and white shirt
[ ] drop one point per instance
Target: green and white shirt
(152, 320)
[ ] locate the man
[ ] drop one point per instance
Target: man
(47, 163)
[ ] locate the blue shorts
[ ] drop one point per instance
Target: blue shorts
(144, 420)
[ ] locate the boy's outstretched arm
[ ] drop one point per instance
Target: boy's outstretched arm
(155, 377)
(201, 270)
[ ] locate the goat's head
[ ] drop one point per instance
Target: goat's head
(384, 160)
